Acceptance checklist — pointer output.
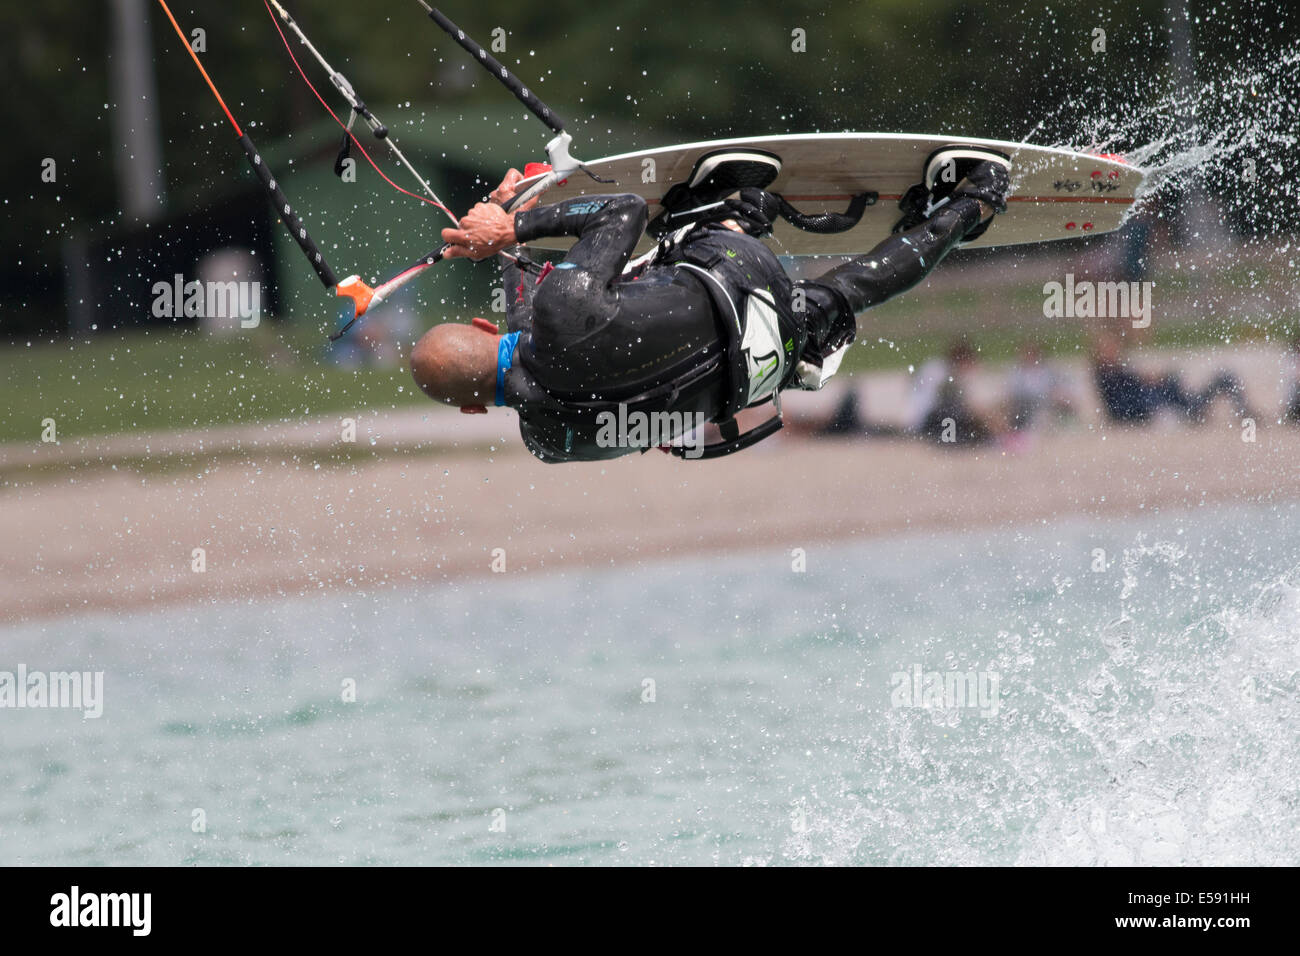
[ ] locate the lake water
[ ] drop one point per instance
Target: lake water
(1146, 711)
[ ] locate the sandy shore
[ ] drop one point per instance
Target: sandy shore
(288, 522)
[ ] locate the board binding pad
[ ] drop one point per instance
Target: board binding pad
(724, 174)
(716, 175)
(945, 169)
(1055, 193)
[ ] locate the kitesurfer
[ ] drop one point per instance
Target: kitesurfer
(706, 324)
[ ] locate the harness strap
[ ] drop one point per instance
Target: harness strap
(732, 438)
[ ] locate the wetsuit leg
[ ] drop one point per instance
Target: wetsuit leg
(893, 266)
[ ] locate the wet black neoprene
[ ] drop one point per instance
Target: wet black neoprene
(592, 335)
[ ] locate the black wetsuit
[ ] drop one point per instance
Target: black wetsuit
(590, 335)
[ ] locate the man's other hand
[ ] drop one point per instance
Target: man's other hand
(506, 191)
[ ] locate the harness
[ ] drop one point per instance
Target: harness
(760, 339)
(757, 355)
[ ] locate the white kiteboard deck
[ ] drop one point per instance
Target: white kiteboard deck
(1055, 193)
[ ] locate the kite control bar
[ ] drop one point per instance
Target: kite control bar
(363, 296)
(278, 198)
(557, 152)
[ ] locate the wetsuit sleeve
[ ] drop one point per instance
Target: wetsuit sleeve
(607, 228)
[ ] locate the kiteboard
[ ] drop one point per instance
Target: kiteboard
(1055, 193)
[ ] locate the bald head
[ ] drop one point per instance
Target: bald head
(457, 364)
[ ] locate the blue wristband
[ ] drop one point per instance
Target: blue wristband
(505, 355)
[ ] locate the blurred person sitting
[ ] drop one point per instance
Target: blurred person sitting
(1035, 387)
(1291, 408)
(848, 421)
(941, 408)
(1133, 397)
